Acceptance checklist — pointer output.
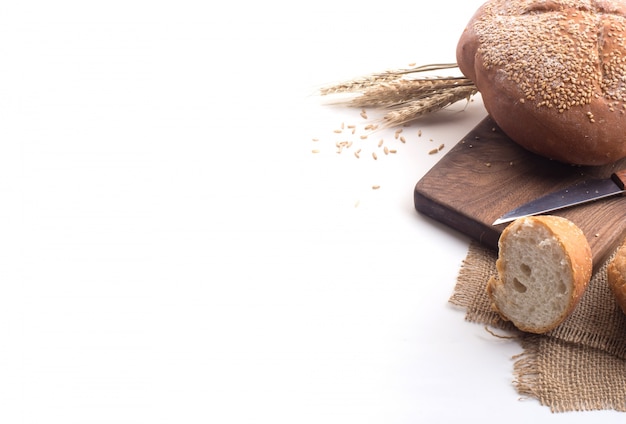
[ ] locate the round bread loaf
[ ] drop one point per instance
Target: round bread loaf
(616, 276)
(552, 74)
(544, 266)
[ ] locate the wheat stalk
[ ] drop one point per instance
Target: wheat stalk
(358, 84)
(398, 92)
(435, 101)
(408, 97)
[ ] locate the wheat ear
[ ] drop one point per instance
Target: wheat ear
(408, 97)
(415, 109)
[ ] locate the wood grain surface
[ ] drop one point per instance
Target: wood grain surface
(486, 174)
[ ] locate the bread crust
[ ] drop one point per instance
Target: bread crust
(616, 276)
(557, 87)
(573, 242)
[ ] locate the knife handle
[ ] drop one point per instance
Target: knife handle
(619, 178)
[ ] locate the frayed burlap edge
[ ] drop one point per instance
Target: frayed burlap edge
(526, 369)
(469, 293)
(588, 380)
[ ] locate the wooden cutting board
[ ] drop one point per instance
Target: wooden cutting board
(486, 174)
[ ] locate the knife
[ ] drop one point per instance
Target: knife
(583, 192)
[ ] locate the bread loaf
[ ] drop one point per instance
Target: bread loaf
(616, 276)
(544, 266)
(552, 74)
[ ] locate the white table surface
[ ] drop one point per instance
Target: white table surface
(171, 250)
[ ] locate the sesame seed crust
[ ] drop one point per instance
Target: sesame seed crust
(552, 73)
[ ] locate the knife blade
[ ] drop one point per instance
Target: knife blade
(582, 192)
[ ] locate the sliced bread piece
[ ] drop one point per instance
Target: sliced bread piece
(544, 265)
(616, 276)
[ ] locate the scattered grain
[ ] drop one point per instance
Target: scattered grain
(433, 151)
(375, 187)
(380, 143)
(315, 151)
(374, 156)
(402, 139)
(386, 150)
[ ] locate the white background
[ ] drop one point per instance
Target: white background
(171, 250)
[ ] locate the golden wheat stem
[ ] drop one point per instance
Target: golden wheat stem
(358, 84)
(415, 109)
(407, 93)
(402, 91)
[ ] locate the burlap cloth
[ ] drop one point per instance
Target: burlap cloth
(580, 365)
